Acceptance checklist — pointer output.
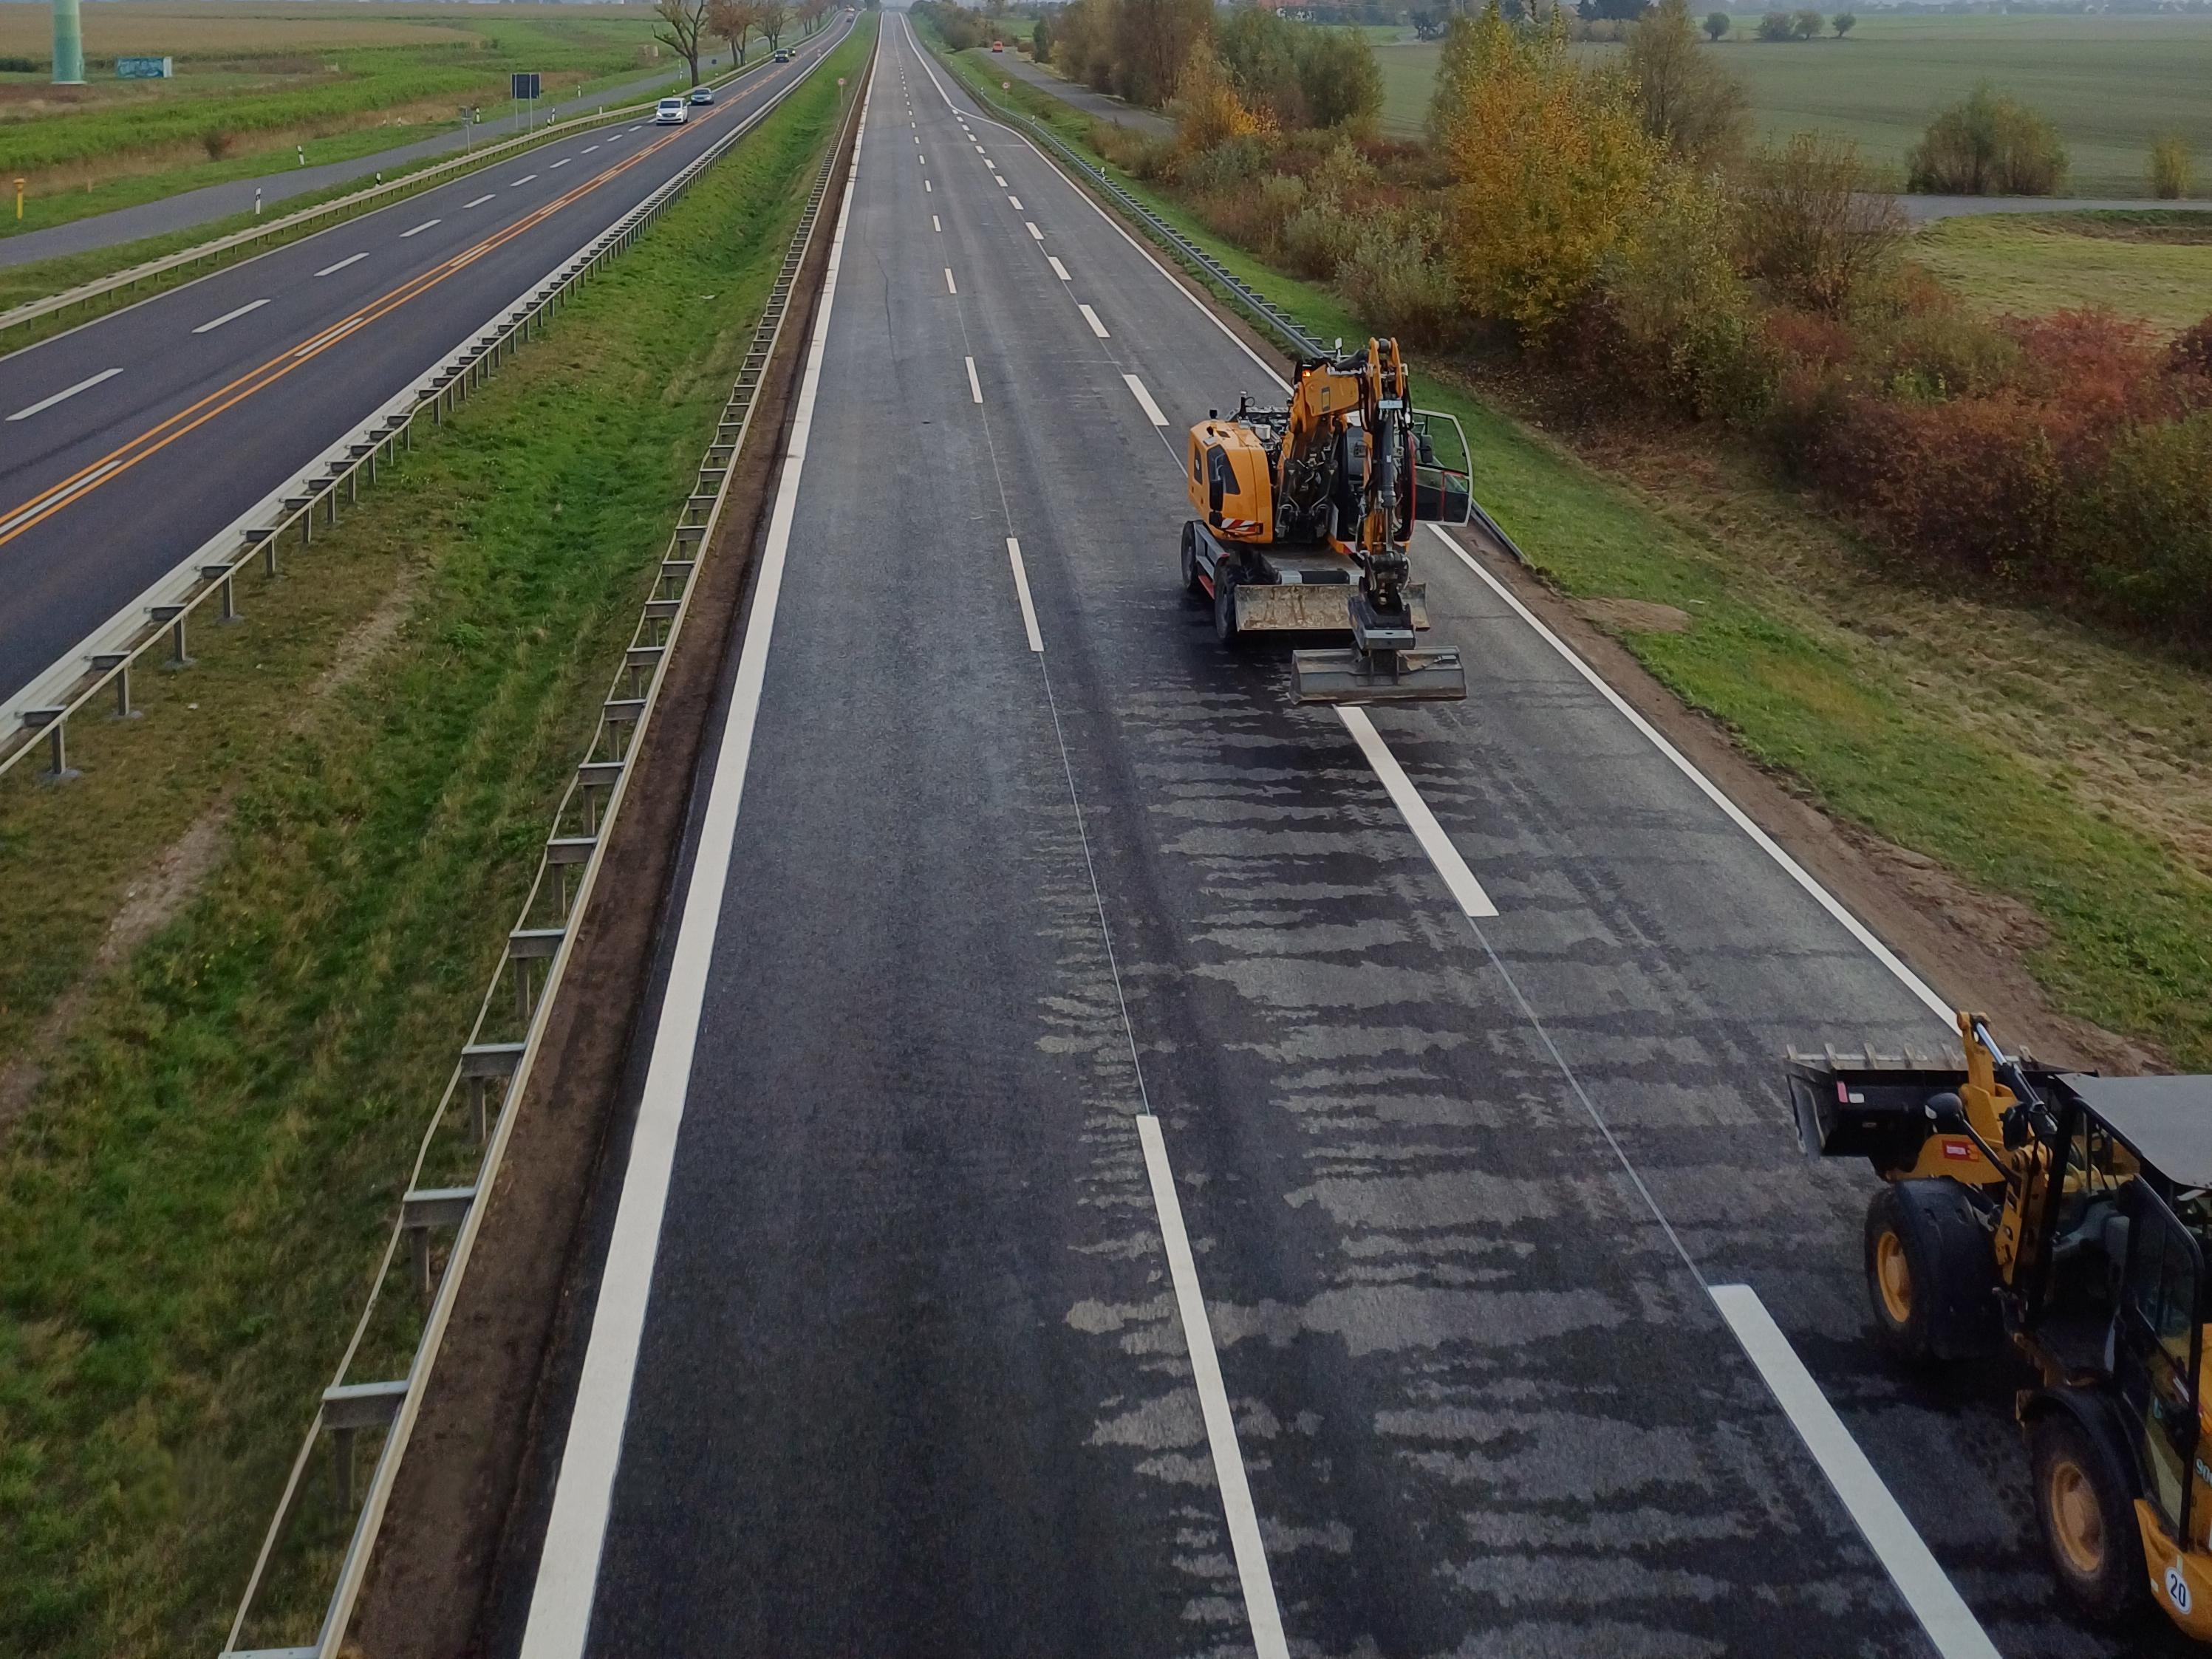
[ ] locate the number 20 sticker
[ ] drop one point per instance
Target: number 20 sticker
(2177, 1589)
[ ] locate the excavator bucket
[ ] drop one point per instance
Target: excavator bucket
(1379, 677)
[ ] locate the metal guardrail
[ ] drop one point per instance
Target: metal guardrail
(368, 199)
(208, 577)
(1256, 305)
(493, 1072)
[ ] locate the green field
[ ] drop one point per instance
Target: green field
(255, 79)
(2157, 266)
(193, 1194)
(2109, 83)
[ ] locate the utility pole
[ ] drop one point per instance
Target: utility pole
(69, 45)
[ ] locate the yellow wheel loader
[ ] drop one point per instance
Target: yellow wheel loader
(2067, 1216)
(1304, 513)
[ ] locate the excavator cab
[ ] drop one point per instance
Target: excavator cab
(2070, 1217)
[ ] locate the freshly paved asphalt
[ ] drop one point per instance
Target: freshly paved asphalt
(210, 202)
(912, 1379)
(204, 453)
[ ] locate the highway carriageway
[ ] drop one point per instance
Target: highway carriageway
(129, 442)
(1121, 1165)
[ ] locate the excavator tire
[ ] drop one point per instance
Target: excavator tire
(1224, 602)
(1191, 579)
(2088, 1521)
(1930, 1273)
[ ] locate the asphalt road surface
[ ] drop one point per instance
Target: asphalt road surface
(126, 444)
(1101, 1183)
(213, 202)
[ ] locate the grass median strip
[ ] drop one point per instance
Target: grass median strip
(321, 834)
(2059, 770)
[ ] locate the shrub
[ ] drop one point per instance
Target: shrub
(1392, 283)
(1807, 25)
(2169, 166)
(1843, 23)
(1688, 99)
(1990, 145)
(1550, 165)
(2140, 532)
(1718, 24)
(1776, 25)
(217, 143)
(1209, 113)
(1813, 226)
(2192, 353)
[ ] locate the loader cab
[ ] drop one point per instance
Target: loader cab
(1229, 482)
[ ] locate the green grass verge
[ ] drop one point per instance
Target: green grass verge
(1809, 691)
(2153, 266)
(2109, 80)
(192, 1202)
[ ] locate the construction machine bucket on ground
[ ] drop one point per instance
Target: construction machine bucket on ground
(1382, 666)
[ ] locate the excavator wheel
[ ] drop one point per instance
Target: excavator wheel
(1930, 1273)
(1192, 581)
(2089, 1523)
(1224, 602)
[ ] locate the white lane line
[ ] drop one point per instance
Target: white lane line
(1091, 318)
(925, 184)
(420, 228)
(1251, 1554)
(935, 226)
(949, 287)
(1857, 929)
(1465, 889)
(924, 160)
(569, 1569)
(1021, 577)
(1058, 269)
(1036, 235)
(588, 148)
(214, 323)
(480, 200)
(974, 386)
(350, 260)
(517, 184)
(45, 404)
(997, 180)
(1152, 409)
(979, 148)
(1928, 1590)
(562, 163)
(1017, 201)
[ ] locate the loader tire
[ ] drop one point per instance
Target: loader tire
(1193, 582)
(2088, 1521)
(1931, 1273)
(1224, 602)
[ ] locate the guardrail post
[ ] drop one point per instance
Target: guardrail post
(55, 724)
(423, 1209)
(346, 1411)
(174, 615)
(220, 575)
(119, 662)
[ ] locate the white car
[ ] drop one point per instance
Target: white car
(670, 113)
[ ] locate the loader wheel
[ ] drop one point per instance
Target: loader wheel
(1930, 1273)
(2088, 1523)
(1224, 602)
(1192, 581)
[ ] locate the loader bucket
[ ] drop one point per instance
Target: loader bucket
(1379, 676)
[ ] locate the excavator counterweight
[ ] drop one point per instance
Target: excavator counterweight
(1305, 513)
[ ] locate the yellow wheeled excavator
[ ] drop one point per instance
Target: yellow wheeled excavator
(2067, 1217)
(1304, 514)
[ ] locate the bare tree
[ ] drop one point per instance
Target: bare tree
(681, 26)
(775, 18)
(734, 20)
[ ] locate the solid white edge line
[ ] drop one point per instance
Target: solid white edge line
(1828, 901)
(45, 404)
(1259, 1585)
(975, 386)
(214, 323)
(1091, 318)
(1021, 589)
(1919, 1577)
(949, 287)
(350, 260)
(1465, 889)
(567, 1570)
(1152, 409)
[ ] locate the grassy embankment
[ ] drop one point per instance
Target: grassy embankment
(2109, 81)
(2151, 265)
(194, 1195)
(256, 83)
(2038, 761)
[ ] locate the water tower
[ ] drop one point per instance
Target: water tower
(69, 45)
